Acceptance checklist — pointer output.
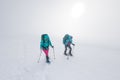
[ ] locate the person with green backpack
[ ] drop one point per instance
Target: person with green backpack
(44, 45)
(67, 41)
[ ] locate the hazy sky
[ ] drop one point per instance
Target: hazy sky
(99, 20)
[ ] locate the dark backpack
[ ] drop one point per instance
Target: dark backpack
(65, 38)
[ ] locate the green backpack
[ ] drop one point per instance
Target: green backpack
(45, 41)
(65, 38)
(44, 37)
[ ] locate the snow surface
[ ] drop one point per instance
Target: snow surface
(96, 54)
(19, 58)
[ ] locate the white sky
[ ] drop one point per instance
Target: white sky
(100, 20)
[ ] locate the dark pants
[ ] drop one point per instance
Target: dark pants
(66, 47)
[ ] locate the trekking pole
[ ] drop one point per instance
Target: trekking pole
(39, 56)
(53, 52)
(73, 49)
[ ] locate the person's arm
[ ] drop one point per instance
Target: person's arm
(51, 44)
(72, 43)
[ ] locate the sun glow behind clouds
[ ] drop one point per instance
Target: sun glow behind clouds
(78, 10)
(66, 23)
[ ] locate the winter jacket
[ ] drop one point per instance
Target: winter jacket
(45, 43)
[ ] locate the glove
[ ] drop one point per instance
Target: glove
(52, 46)
(73, 44)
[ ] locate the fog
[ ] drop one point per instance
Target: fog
(98, 24)
(94, 25)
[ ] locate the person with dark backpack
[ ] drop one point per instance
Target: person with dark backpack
(44, 45)
(67, 41)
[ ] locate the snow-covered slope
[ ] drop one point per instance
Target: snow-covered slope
(18, 58)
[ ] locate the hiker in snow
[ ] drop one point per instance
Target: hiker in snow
(44, 45)
(67, 41)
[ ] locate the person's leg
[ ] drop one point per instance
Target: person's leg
(46, 53)
(47, 59)
(65, 50)
(70, 50)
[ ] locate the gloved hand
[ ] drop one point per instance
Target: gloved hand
(73, 44)
(52, 46)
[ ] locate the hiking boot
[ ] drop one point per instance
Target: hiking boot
(65, 54)
(70, 54)
(47, 59)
